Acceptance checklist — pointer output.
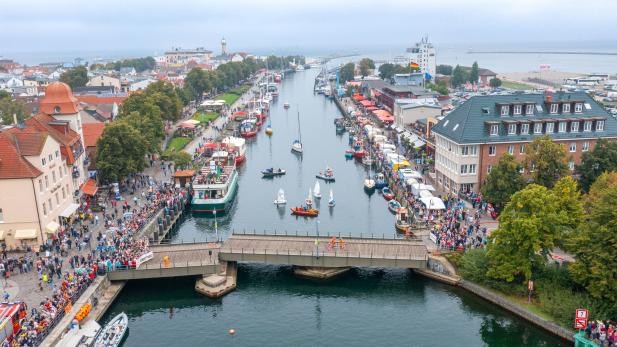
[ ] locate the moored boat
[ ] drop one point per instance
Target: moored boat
(296, 146)
(309, 199)
(380, 181)
(331, 201)
(304, 211)
(369, 185)
(327, 175)
(402, 224)
(113, 333)
(317, 191)
(249, 128)
(387, 193)
(271, 172)
(286, 105)
(238, 146)
(394, 205)
(215, 188)
(280, 198)
(349, 154)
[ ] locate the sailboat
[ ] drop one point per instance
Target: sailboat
(296, 146)
(309, 199)
(331, 201)
(369, 183)
(317, 191)
(280, 198)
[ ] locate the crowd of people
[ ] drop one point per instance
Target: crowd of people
(603, 333)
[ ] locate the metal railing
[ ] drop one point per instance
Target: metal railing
(362, 236)
(326, 253)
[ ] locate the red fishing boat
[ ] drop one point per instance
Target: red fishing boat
(306, 212)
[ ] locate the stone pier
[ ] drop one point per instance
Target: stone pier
(319, 273)
(219, 284)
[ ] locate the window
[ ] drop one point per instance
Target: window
(565, 108)
(465, 150)
(533, 167)
(463, 169)
(1, 216)
(51, 206)
(550, 127)
(492, 150)
(554, 108)
(574, 127)
(57, 199)
(494, 129)
(521, 169)
(587, 125)
(524, 128)
(43, 161)
(473, 151)
(489, 169)
(505, 110)
(522, 149)
(571, 166)
(44, 209)
(518, 109)
(512, 129)
(578, 107)
(41, 186)
(57, 154)
(472, 169)
(585, 146)
(537, 128)
(573, 147)
(511, 150)
(51, 158)
(59, 172)
(600, 125)
(63, 193)
(529, 110)
(562, 127)
(46, 181)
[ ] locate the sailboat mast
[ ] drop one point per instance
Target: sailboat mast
(299, 132)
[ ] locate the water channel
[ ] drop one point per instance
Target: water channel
(271, 306)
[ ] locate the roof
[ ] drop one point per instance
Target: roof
(184, 173)
(58, 99)
(468, 122)
(27, 142)
(90, 187)
(96, 99)
(92, 132)
(12, 164)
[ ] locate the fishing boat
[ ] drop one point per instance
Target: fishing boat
(394, 205)
(331, 201)
(317, 191)
(327, 175)
(369, 185)
(249, 128)
(237, 145)
(380, 181)
(387, 193)
(113, 333)
(215, 188)
(304, 211)
(280, 198)
(286, 105)
(309, 199)
(296, 146)
(402, 224)
(271, 172)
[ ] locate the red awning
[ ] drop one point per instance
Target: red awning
(239, 114)
(358, 97)
(211, 145)
(90, 188)
(187, 126)
(372, 108)
(384, 116)
(367, 103)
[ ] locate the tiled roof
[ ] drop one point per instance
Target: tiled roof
(12, 164)
(94, 99)
(468, 122)
(92, 132)
(28, 142)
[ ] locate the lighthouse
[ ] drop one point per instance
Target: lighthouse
(223, 47)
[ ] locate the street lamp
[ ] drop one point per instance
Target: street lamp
(216, 230)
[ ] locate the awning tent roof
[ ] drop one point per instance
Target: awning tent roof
(433, 203)
(69, 210)
(52, 227)
(185, 125)
(1, 235)
(90, 187)
(25, 234)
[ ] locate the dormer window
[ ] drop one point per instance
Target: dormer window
(574, 127)
(554, 108)
(57, 109)
(600, 125)
(529, 110)
(537, 128)
(505, 110)
(562, 127)
(565, 108)
(512, 129)
(524, 128)
(578, 107)
(494, 130)
(550, 128)
(587, 126)
(518, 109)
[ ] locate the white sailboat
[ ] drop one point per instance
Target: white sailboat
(296, 146)
(309, 198)
(317, 191)
(331, 201)
(280, 198)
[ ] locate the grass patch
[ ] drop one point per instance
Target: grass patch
(515, 85)
(229, 98)
(206, 117)
(177, 143)
(241, 89)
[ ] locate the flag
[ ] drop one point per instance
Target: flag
(427, 76)
(414, 66)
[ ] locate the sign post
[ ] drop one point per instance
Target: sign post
(580, 321)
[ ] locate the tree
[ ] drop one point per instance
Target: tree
(166, 98)
(569, 209)
(444, 69)
(10, 108)
(386, 71)
(459, 76)
(347, 72)
(181, 159)
(120, 151)
(149, 124)
(495, 82)
(76, 77)
(504, 180)
(528, 229)
(546, 160)
(595, 243)
(602, 158)
(439, 87)
(366, 64)
(474, 73)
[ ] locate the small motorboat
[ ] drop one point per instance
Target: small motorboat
(331, 201)
(304, 211)
(327, 175)
(402, 224)
(309, 199)
(286, 105)
(349, 154)
(394, 205)
(280, 198)
(317, 191)
(369, 185)
(271, 172)
(387, 193)
(359, 154)
(113, 333)
(380, 181)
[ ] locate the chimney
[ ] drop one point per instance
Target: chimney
(15, 118)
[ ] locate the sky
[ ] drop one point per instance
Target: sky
(289, 26)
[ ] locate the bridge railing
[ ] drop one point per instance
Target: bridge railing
(372, 236)
(318, 252)
(213, 260)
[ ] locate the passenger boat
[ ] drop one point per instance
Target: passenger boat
(286, 105)
(272, 173)
(249, 128)
(317, 191)
(402, 224)
(113, 333)
(327, 175)
(380, 181)
(280, 198)
(394, 205)
(215, 188)
(237, 145)
(309, 199)
(331, 201)
(387, 193)
(296, 146)
(304, 211)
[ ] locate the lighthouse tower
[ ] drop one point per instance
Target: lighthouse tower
(223, 47)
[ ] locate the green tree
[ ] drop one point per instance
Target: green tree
(569, 208)
(595, 243)
(182, 159)
(474, 73)
(76, 77)
(439, 87)
(495, 82)
(10, 107)
(504, 180)
(602, 158)
(347, 72)
(150, 125)
(386, 71)
(546, 160)
(366, 64)
(444, 69)
(459, 76)
(166, 98)
(120, 151)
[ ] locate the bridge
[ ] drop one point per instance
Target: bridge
(203, 258)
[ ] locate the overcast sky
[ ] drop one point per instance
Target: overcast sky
(295, 25)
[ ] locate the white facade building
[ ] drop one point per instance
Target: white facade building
(423, 53)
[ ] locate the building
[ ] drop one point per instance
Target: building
(408, 79)
(92, 133)
(470, 140)
(409, 111)
(390, 93)
(179, 56)
(423, 53)
(104, 81)
(484, 76)
(223, 47)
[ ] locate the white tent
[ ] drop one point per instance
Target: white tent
(425, 194)
(418, 187)
(433, 203)
(411, 181)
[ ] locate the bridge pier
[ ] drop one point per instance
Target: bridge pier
(217, 285)
(319, 273)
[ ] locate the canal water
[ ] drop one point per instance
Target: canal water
(272, 307)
